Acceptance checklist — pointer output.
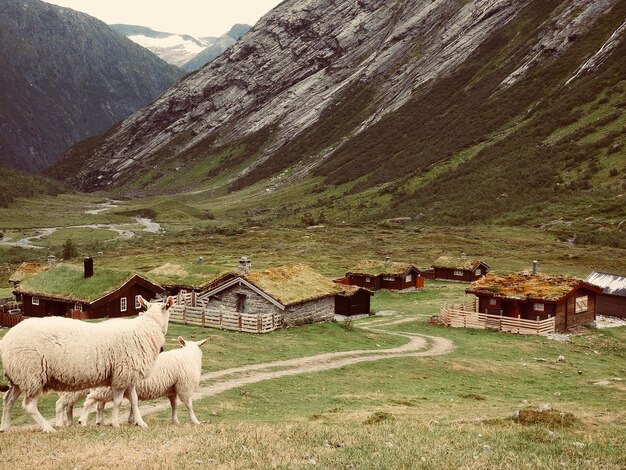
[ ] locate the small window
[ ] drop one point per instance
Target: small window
(493, 302)
(388, 278)
(78, 306)
(479, 272)
(409, 278)
(458, 272)
(367, 279)
(539, 307)
(582, 304)
(137, 302)
(123, 304)
(241, 303)
(35, 300)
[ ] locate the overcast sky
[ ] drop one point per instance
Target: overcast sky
(195, 17)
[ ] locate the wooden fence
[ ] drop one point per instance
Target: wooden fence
(462, 316)
(226, 320)
(10, 316)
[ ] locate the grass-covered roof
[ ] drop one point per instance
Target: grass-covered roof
(526, 286)
(452, 262)
(186, 274)
(26, 270)
(375, 268)
(67, 282)
(293, 284)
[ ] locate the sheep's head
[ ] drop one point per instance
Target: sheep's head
(160, 311)
(186, 344)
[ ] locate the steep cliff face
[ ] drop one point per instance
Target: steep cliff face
(362, 90)
(217, 47)
(66, 76)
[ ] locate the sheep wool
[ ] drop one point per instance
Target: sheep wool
(62, 354)
(176, 374)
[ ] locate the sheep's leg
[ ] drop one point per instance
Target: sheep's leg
(30, 406)
(100, 413)
(134, 408)
(61, 412)
(69, 414)
(173, 403)
(189, 404)
(9, 400)
(87, 407)
(118, 396)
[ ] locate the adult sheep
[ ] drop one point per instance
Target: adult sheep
(175, 375)
(53, 353)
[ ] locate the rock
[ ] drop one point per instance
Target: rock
(560, 359)
(544, 407)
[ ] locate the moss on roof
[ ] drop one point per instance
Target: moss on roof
(27, 270)
(293, 284)
(456, 263)
(67, 281)
(375, 268)
(526, 286)
(186, 275)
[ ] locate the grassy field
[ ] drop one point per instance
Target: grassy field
(450, 411)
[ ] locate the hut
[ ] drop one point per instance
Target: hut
(612, 301)
(353, 301)
(298, 293)
(68, 290)
(537, 297)
(447, 268)
(376, 275)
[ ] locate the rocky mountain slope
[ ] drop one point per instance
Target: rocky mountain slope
(66, 76)
(175, 49)
(438, 110)
(217, 48)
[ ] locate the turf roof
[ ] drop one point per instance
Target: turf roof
(375, 268)
(456, 263)
(293, 284)
(526, 286)
(67, 281)
(28, 269)
(186, 275)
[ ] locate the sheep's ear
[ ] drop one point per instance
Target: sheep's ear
(181, 340)
(169, 302)
(203, 342)
(142, 301)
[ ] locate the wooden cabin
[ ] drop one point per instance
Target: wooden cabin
(462, 269)
(376, 275)
(353, 301)
(537, 296)
(612, 301)
(298, 293)
(67, 290)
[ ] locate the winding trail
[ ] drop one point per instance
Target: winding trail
(228, 379)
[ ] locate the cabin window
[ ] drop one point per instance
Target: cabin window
(582, 304)
(458, 272)
(137, 302)
(367, 279)
(479, 272)
(493, 302)
(34, 300)
(539, 307)
(388, 278)
(123, 304)
(78, 307)
(409, 278)
(241, 303)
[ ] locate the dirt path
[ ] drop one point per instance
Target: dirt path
(228, 379)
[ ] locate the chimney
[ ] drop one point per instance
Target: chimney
(245, 265)
(463, 255)
(535, 267)
(200, 261)
(88, 267)
(52, 259)
(387, 259)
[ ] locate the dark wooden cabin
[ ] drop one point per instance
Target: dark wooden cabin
(353, 301)
(612, 301)
(69, 291)
(459, 269)
(537, 296)
(376, 275)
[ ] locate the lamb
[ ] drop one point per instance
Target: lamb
(176, 374)
(53, 353)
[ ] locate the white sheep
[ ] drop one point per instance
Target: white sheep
(176, 374)
(62, 354)
(65, 406)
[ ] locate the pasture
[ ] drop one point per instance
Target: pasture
(449, 411)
